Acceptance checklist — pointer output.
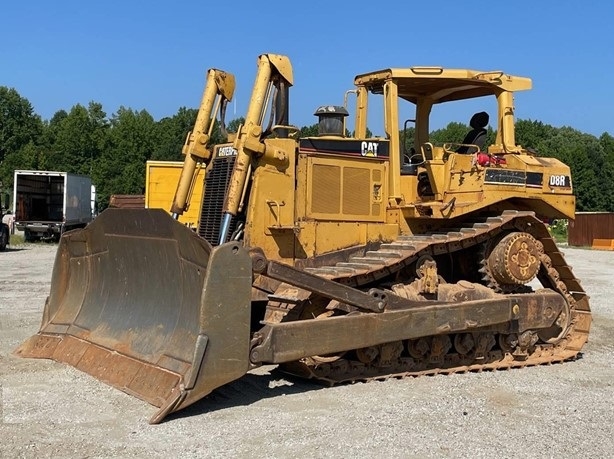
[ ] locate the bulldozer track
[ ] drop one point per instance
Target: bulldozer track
(391, 258)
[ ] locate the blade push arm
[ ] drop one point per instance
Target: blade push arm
(219, 89)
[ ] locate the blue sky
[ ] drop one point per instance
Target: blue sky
(153, 55)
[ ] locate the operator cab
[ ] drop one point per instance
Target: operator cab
(418, 91)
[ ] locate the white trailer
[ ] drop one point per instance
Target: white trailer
(47, 203)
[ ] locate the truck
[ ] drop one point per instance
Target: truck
(161, 179)
(338, 257)
(48, 203)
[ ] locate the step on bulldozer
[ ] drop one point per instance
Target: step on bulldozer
(337, 257)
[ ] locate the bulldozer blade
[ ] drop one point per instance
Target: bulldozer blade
(141, 302)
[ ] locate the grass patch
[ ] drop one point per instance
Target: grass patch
(558, 230)
(16, 239)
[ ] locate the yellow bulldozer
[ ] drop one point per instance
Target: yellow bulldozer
(338, 257)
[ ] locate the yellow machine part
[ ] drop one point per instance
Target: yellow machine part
(161, 178)
(348, 254)
(142, 303)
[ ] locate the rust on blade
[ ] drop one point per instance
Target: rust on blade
(146, 381)
(136, 301)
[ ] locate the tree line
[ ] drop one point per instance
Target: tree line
(113, 149)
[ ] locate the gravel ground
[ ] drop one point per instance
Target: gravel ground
(51, 410)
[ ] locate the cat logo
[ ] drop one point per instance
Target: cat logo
(369, 148)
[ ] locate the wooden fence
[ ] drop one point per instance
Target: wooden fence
(592, 229)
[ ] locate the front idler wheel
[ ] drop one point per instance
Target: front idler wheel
(559, 329)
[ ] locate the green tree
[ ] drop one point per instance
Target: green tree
(607, 144)
(530, 133)
(74, 141)
(583, 154)
(172, 132)
(309, 131)
(132, 137)
(406, 137)
(19, 126)
(454, 132)
(26, 158)
(233, 125)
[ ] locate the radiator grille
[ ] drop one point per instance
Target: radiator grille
(326, 189)
(356, 192)
(216, 184)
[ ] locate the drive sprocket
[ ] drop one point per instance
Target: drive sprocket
(513, 261)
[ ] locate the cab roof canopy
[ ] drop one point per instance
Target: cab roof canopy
(442, 85)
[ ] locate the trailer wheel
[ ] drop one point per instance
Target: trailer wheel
(4, 238)
(27, 236)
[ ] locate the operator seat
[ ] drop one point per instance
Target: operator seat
(477, 135)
